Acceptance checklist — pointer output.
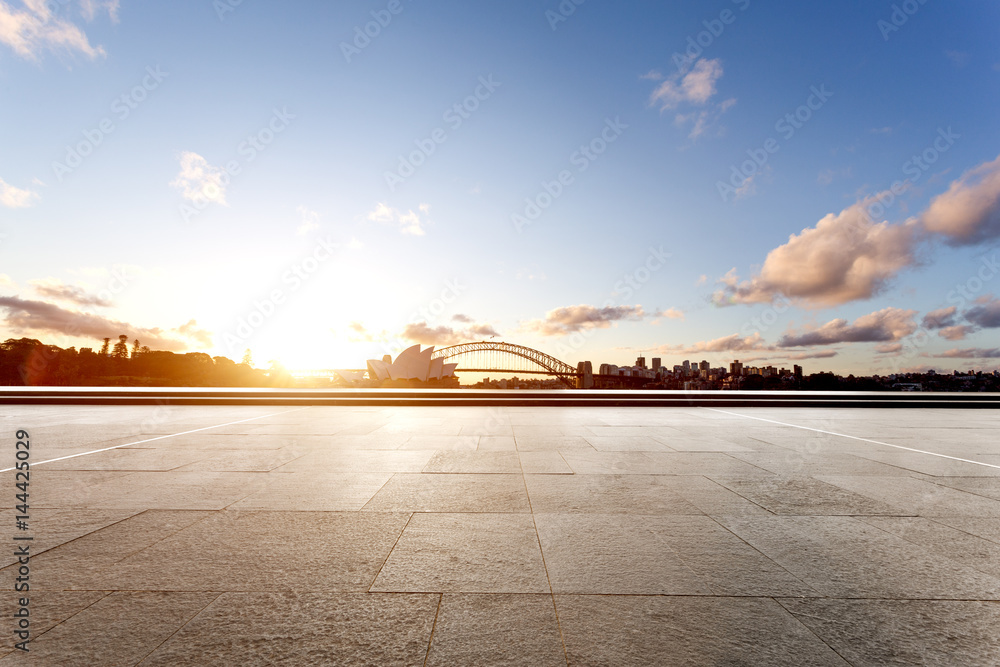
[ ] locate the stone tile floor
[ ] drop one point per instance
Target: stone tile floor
(506, 536)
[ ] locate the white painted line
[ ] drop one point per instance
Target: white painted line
(852, 437)
(160, 437)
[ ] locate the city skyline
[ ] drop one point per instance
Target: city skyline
(327, 184)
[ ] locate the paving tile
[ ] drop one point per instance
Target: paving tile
(549, 463)
(316, 492)
(46, 610)
(496, 630)
(76, 564)
(260, 629)
(635, 430)
(931, 465)
(373, 441)
(958, 545)
(118, 630)
(173, 490)
(451, 493)
(917, 497)
(131, 459)
(474, 462)
(624, 630)
(626, 443)
(981, 486)
(348, 460)
(793, 464)
(804, 496)
(613, 554)
(711, 464)
(61, 488)
(263, 551)
(244, 461)
(986, 528)
(904, 632)
(608, 463)
(497, 443)
(605, 494)
(725, 562)
(449, 442)
(711, 497)
(683, 442)
(465, 553)
(51, 527)
(553, 443)
(845, 557)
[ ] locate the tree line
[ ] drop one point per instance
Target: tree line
(29, 362)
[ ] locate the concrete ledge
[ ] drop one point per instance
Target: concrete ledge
(457, 397)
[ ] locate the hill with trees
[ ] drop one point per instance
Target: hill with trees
(29, 362)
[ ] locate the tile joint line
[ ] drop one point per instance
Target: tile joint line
(854, 437)
(161, 437)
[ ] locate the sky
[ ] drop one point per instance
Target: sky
(323, 183)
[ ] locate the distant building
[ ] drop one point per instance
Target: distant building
(736, 368)
(656, 363)
(641, 362)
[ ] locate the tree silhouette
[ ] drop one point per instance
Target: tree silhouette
(121, 348)
(135, 348)
(105, 347)
(247, 358)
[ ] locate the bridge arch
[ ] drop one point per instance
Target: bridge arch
(549, 364)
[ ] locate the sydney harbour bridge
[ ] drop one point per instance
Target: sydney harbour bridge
(490, 357)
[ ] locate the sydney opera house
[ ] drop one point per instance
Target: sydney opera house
(411, 364)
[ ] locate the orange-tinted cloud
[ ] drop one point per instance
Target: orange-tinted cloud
(29, 317)
(570, 319)
(969, 212)
(844, 258)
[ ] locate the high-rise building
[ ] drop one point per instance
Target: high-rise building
(657, 363)
(736, 368)
(798, 371)
(641, 362)
(704, 366)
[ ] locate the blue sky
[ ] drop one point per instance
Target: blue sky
(690, 180)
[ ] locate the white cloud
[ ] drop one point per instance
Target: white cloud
(957, 58)
(91, 8)
(12, 197)
(199, 181)
(408, 223)
(310, 220)
(695, 87)
(33, 28)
